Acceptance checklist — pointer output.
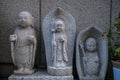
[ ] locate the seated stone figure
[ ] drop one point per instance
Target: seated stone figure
(23, 44)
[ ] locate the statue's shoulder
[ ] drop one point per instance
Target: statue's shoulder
(32, 31)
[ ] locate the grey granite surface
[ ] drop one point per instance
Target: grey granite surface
(39, 75)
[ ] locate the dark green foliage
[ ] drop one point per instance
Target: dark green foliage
(114, 39)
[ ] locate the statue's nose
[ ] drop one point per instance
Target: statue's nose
(22, 20)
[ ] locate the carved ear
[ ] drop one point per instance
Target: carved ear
(32, 22)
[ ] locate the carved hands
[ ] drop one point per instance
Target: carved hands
(13, 38)
(62, 40)
(54, 44)
(53, 30)
(81, 44)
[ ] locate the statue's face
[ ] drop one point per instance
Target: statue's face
(25, 19)
(59, 26)
(90, 44)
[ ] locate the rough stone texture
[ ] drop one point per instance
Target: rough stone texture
(59, 31)
(85, 12)
(91, 54)
(8, 16)
(59, 71)
(115, 10)
(39, 75)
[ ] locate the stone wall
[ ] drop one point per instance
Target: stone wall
(115, 10)
(85, 12)
(101, 13)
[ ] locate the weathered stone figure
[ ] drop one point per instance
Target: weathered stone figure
(59, 45)
(90, 58)
(23, 44)
(59, 31)
(91, 54)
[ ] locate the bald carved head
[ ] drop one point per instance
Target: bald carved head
(25, 19)
(90, 44)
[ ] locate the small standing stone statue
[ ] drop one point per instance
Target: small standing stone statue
(91, 54)
(90, 58)
(59, 30)
(59, 45)
(23, 44)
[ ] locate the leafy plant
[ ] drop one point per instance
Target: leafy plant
(114, 39)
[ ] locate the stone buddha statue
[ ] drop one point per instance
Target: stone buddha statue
(91, 58)
(23, 44)
(59, 45)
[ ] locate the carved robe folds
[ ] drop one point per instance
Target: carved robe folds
(59, 30)
(23, 44)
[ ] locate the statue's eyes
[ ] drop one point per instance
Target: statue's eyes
(23, 18)
(89, 45)
(20, 17)
(59, 25)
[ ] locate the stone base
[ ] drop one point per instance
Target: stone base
(91, 78)
(27, 72)
(39, 75)
(59, 71)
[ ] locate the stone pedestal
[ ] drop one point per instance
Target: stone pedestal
(59, 71)
(39, 75)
